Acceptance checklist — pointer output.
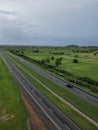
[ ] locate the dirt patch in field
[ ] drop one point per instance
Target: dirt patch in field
(6, 117)
(34, 121)
(3, 112)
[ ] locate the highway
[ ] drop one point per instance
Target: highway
(50, 114)
(77, 91)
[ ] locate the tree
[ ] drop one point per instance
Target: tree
(42, 61)
(58, 61)
(75, 60)
(95, 53)
(47, 59)
(52, 58)
(36, 50)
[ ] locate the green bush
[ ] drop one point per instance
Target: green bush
(75, 60)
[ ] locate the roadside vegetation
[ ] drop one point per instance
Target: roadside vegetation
(80, 104)
(13, 115)
(78, 65)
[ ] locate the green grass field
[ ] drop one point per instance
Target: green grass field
(87, 66)
(81, 105)
(13, 115)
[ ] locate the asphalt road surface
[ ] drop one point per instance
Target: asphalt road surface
(77, 91)
(52, 116)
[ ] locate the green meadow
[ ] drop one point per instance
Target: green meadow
(87, 65)
(13, 114)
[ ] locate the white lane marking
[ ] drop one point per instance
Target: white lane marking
(51, 110)
(81, 113)
(38, 104)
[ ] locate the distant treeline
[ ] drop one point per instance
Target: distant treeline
(84, 49)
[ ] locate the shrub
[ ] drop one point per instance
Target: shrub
(58, 61)
(75, 60)
(47, 59)
(52, 58)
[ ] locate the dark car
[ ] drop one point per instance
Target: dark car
(69, 85)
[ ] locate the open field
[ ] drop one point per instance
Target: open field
(87, 66)
(84, 73)
(67, 110)
(13, 114)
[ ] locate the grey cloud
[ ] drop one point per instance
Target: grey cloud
(8, 16)
(4, 12)
(47, 21)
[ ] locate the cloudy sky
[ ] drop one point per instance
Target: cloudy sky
(47, 22)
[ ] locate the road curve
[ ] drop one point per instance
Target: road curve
(77, 91)
(53, 117)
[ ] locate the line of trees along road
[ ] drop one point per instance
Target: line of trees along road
(45, 63)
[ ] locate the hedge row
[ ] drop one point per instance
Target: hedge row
(82, 81)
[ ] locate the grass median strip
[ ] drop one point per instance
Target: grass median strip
(13, 114)
(53, 99)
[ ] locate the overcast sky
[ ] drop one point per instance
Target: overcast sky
(47, 22)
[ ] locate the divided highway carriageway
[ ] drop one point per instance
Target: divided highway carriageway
(50, 114)
(77, 91)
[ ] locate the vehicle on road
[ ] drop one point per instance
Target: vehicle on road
(69, 85)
